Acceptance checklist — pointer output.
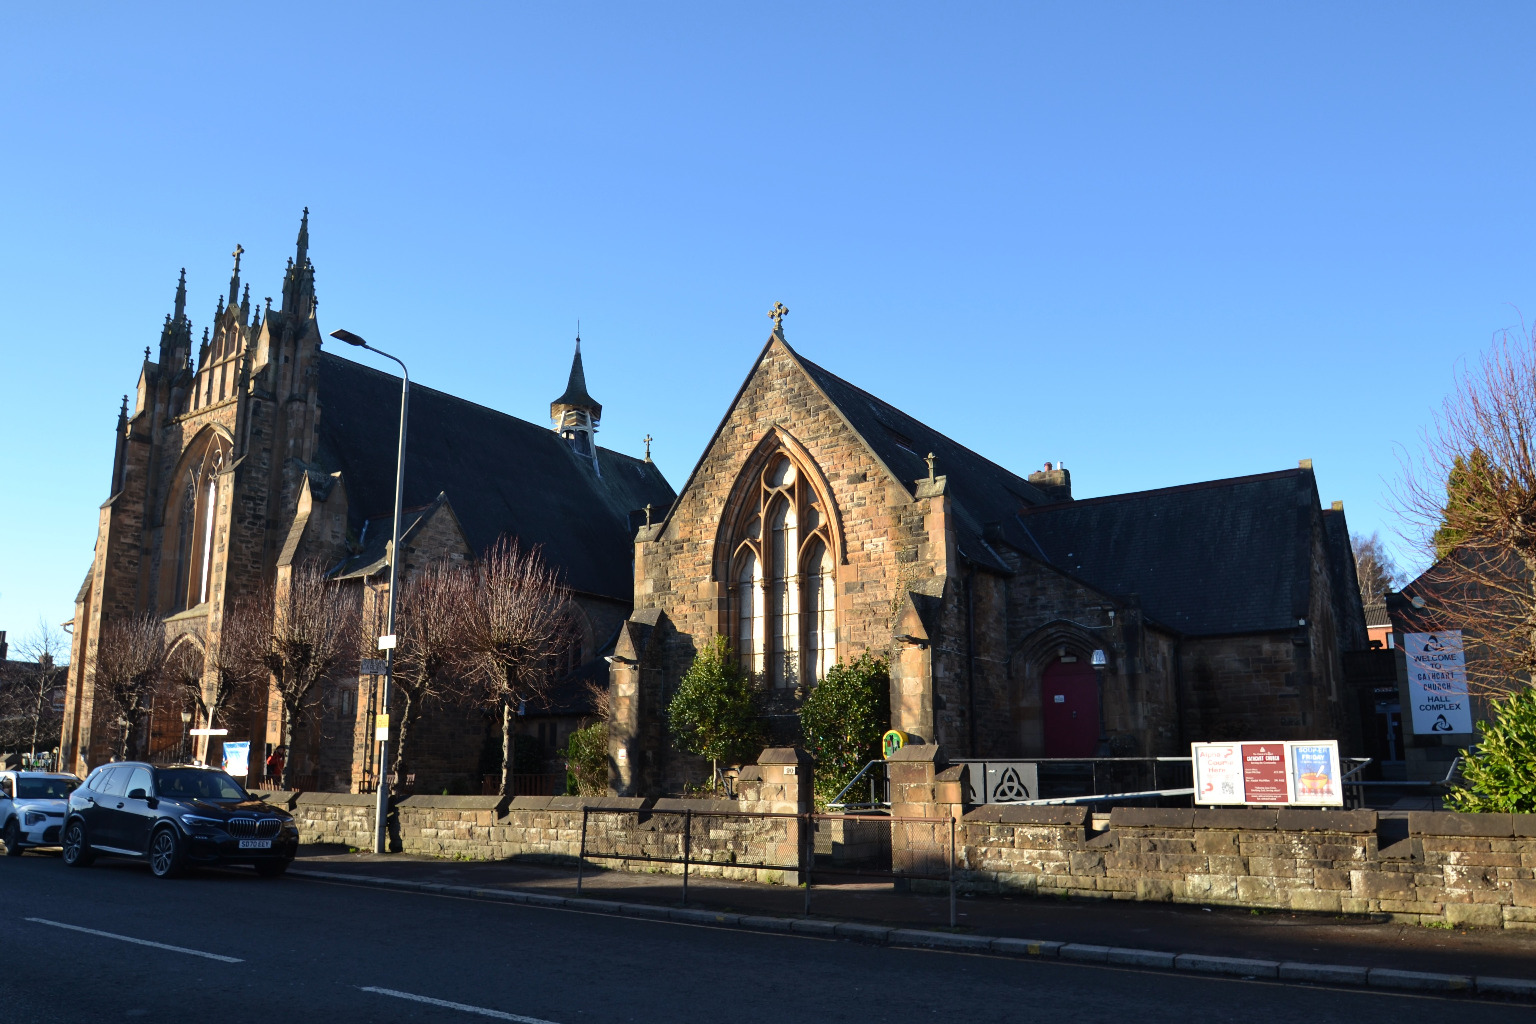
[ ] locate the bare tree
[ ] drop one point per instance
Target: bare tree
(26, 692)
(130, 665)
(1374, 567)
(306, 634)
(430, 615)
(1470, 501)
(515, 628)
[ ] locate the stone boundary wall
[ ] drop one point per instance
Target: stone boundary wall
(1461, 869)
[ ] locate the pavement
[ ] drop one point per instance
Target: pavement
(1171, 928)
(113, 943)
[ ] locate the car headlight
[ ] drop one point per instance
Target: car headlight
(33, 818)
(199, 822)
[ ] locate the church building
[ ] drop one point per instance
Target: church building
(256, 450)
(822, 522)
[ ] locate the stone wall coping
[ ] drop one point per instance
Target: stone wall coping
(956, 773)
(478, 803)
(338, 799)
(1320, 819)
(1010, 814)
(784, 755)
(1453, 823)
(929, 752)
(529, 803)
(1247, 819)
(1152, 817)
(697, 806)
(276, 797)
(749, 773)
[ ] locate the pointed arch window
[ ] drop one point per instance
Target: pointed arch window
(782, 581)
(191, 519)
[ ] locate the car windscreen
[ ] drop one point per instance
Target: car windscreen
(44, 789)
(197, 784)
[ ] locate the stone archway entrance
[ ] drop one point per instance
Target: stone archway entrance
(1069, 700)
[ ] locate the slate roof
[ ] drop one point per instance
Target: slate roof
(501, 474)
(1225, 556)
(980, 490)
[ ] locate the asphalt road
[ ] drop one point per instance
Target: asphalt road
(228, 946)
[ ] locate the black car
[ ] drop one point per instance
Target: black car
(175, 816)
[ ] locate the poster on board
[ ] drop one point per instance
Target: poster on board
(237, 759)
(1314, 773)
(1437, 683)
(1218, 773)
(1266, 775)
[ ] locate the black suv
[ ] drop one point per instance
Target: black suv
(175, 816)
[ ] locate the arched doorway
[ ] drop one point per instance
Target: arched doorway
(1069, 699)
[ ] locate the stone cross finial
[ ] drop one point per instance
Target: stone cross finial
(647, 513)
(647, 440)
(930, 460)
(146, 353)
(777, 315)
(236, 254)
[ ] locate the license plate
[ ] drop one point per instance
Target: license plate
(255, 844)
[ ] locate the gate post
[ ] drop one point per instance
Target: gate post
(785, 788)
(923, 787)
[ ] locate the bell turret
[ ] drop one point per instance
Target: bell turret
(576, 413)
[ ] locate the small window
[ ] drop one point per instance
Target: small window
(114, 782)
(140, 779)
(5, 788)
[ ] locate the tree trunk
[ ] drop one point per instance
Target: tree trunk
(407, 710)
(289, 715)
(508, 747)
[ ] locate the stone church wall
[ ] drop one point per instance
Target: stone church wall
(884, 533)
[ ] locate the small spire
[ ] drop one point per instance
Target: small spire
(647, 440)
(245, 300)
(122, 414)
(220, 310)
(303, 246)
(181, 295)
(234, 279)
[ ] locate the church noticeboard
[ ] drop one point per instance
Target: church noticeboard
(1277, 774)
(1437, 683)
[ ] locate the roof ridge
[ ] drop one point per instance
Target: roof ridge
(901, 412)
(1198, 485)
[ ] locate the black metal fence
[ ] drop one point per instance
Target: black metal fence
(813, 849)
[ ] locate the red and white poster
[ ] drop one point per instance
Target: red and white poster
(1218, 773)
(1266, 779)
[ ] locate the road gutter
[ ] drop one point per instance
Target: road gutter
(912, 938)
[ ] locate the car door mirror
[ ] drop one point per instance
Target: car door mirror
(137, 794)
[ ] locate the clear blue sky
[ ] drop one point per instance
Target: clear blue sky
(1161, 242)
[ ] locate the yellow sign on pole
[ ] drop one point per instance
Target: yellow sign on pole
(381, 727)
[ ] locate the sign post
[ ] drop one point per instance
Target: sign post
(1271, 774)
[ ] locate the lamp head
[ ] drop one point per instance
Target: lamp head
(349, 338)
(1099, 660)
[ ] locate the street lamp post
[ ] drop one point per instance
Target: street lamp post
(381, 803)
(186, 721)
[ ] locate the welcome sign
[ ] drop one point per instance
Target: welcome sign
(1437, 682)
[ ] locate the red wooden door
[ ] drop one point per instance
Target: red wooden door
(1071, 713)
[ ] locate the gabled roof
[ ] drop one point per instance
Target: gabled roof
(980, 490)
(1224, 556)
(503, 475)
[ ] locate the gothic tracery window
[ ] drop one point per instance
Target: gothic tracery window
(782, 580)
(189, 577)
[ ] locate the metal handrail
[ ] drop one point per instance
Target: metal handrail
(874, 801)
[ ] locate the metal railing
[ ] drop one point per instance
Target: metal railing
(877, 777)
(880, 866)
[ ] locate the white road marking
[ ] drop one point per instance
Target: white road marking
(137, 942)
(466, 1008)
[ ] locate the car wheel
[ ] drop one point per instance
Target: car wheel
(12, 839)
(166, 857)
(271, 868)
(77, 852)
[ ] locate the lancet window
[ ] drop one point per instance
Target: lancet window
(191, 522)
(783, 579)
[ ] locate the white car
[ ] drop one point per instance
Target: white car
(32, 808)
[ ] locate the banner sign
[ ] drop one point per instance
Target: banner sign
(1277, 774)
(237, 759)
(1437, 682)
